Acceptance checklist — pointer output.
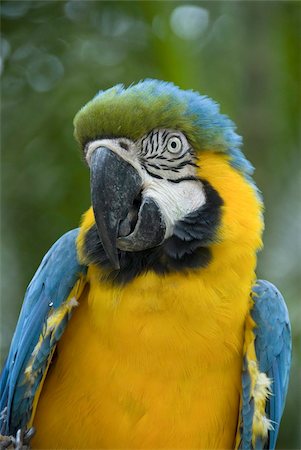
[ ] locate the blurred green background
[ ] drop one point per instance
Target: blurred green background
(55, 55)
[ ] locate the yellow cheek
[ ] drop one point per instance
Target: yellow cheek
(242, 209)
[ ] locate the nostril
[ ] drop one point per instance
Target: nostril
(124, 145)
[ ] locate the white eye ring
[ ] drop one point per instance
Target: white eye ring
(174, 144)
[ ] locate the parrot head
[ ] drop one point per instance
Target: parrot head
(157, 157)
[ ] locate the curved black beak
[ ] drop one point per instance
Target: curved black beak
(114, 186)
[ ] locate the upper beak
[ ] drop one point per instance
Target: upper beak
(114, 186)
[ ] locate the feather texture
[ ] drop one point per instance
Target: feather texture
(265, 380)
(273, 347)
(34, 338)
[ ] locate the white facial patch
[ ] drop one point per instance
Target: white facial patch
(175, 200)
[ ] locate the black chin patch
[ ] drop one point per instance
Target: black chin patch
(188, 248)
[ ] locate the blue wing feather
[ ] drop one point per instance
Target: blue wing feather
(273, 351)
(51, 285)
(273, 348)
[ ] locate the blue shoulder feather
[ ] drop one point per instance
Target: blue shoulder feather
(273, 352)
(273, 347)
(51, 285)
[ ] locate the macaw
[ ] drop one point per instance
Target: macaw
(146, 327)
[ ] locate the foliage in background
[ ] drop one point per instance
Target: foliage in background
(55, 55)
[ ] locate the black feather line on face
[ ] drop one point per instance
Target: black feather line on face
(152, 174)
(186, 163)
(187, 249)
(177, 158)
(188, 178)
(154, 166)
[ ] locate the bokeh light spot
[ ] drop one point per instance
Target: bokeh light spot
(14, 10)
(4, 48)
(4, 52)
(23, 52)
(76, 10)
(189, 22)
(44, 72)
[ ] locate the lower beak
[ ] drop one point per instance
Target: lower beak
(114, 186)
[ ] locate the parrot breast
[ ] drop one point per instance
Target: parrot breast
(140, 370)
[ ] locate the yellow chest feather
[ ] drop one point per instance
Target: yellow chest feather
(154, 364)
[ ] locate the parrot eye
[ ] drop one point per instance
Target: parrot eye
(174, 144)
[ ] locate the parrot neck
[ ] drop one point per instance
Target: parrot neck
(187, 248)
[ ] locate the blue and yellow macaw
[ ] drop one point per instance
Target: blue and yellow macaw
(146, 327)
